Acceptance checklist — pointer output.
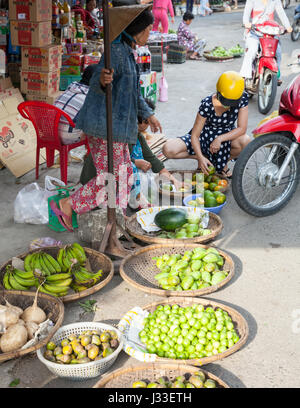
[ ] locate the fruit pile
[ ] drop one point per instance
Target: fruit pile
(90, 345)
(194, 270)
(195, 380)
(237, 50)
(177, 223)
(177, 332)
(53, 276)
(224, 52)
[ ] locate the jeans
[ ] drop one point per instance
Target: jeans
(189, 5)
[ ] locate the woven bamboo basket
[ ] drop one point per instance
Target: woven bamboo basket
(238, 320)
(139, 269)
(135, 230)
(97, 261)
(214, 58)
(181, 194)
(124, 377)
(53, 308)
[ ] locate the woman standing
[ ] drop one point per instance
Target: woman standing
(160, 12)
(214, 138)
(130, 26)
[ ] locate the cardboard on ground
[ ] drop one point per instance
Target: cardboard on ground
(17, 135)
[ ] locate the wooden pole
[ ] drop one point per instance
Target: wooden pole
(110, 243)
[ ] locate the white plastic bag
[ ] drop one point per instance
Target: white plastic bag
(31, 203)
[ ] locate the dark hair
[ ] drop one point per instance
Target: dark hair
(151, 106)
(188, 16)
(139, 24)
(87, 74)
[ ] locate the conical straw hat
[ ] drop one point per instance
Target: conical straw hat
(121, 17)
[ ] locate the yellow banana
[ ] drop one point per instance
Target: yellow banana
(52, 293)
(6, 283)
(54, 263)
(58, 276)
(55, 288)
(24, 274)
(24, 282)
(27, 262)
(14, 284)
(86, 274)
(61, 283)
(78, 288)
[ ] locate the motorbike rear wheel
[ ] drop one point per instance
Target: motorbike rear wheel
(295, 34)
(252, 185)
(267, 89)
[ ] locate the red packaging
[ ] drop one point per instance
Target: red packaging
(30, 10)
(30, 33)
(41, 59)
(44, 83)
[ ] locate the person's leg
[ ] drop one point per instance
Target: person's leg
(156, 13)
(252, 44)
(199, 46)
(238, 145)
(176, 149)
(164, 21)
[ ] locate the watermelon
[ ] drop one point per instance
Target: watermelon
(170, 219)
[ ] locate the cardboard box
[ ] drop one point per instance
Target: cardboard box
(44, 83)
(70, 70)
(70, 59)
(30, 33)
(5, 83)
(30, 10)
(17, 137)
(41, 59)
(43, 98)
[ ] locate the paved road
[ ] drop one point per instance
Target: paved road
(265, 288)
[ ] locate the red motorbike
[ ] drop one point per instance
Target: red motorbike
(266, 174)
(264, 79)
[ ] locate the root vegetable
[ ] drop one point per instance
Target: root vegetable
(16, 309)
(14, 338)
(34, 313)
(31, 329)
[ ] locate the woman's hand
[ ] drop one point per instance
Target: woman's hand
(203, 164)
(172, 20)
(248, 25)
(106, 77)
(215, 145)
(154, 124)
(142, 165)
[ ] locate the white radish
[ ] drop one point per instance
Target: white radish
(14, 338)
(31, 327)
(34, 313)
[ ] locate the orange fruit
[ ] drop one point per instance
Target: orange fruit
(218, 188)
(222, 183)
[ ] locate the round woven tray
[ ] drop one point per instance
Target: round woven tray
(53, 308)
(213, 58)
(97, 261)
(139, 270)
(179, 194)
(135, 230)
(124, 377)
(240, 326)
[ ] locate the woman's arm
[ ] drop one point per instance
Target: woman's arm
(241, 129)
(203, 162)
(171, 9)
(247, 13)
(283, 17)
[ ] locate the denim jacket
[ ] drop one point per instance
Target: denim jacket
(127, 102)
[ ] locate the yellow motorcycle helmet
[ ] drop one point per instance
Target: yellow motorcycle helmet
(230, 88)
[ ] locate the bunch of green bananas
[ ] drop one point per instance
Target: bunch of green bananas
(16, 279)
(83, 278)
(57, 284)
(43, 262)
(70, 255)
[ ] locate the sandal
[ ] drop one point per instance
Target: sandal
(61, 216)
(195, 58)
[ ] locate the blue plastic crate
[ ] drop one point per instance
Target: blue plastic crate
(66, 80)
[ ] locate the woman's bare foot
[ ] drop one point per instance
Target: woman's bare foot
(66, 208)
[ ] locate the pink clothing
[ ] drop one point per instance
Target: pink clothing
(160, 12)
(161, 16)
(165, 4)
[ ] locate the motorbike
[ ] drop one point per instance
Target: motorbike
(266, 173)
(295, 34)
(264, 79)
